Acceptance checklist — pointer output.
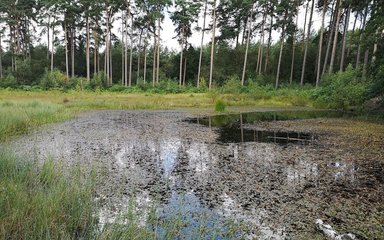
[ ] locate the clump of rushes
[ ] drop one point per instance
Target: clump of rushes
(219, 106)
(40, 202)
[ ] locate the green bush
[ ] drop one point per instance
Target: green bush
(54, 79)
(233, 85)
(219, 106)
(98, 82)
(9, 81)
(342, 90)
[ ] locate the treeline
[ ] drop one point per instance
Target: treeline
(119, 42)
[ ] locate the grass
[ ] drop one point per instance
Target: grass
(40, 202)
(18, 117)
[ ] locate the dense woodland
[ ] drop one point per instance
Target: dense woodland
(52, 43)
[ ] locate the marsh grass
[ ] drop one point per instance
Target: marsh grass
(41, 202)
(18, 117)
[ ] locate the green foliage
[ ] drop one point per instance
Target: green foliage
(98, 81)
(233, 85)
(54, 79)
(342, 90)
(9, 81)
(219, 106)
(377, 88)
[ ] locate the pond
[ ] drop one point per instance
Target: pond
(213, 174)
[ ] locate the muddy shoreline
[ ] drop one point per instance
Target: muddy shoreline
(278, 191)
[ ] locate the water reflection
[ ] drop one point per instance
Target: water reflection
(164, 164)
(232, 129)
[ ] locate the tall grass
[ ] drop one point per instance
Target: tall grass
(40, 202)
(18, 117)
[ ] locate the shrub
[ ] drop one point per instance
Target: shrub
(342, 90)
(8, 81)
(98, 82)
(53, 79)
(219, 106)
(233, 85)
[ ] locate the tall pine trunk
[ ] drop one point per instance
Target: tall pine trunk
(362, 29)
(201, 44)
(247, 47)
(158, 51)
(281, 52)
(320, 51)
(154, 58)
(53, 46)
(145, 61)
(73, 51)
(268, 45)
(66, 50)
(306, 44)
(293, 54)
(335, 37)
(212, 44)
(345, 31)
(181, 56)
(262, 44)
(130, 51)
(330, 37)
(87, 52)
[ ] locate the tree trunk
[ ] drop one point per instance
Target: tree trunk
(281, 52)
(320, 51)
(145, 62)
(154, 58)
(362, 28)
(306, 44)
(95, 70)
(53, 47)
(48, 36)
(201, 44)
(130, 52)
(335, 37)
(87, 52)
(293, 54)
(73, 51)
(346, 24)
(126, 50)
(247, 47)
(158, 51)
(305, 23)
(66, 50)
(122, 49)
(139, 57)
(269, 45)
(330, 37)
(262, 44)
(181, 56)
(185, 71)
(212, 44)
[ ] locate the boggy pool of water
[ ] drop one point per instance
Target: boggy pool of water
(212, 175)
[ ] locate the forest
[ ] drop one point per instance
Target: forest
(106, 44)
